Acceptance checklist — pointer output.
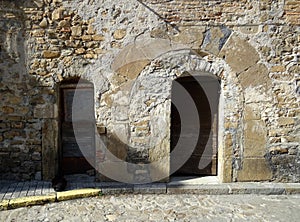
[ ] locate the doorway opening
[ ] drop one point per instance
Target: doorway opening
(204, 89)
(72, 159)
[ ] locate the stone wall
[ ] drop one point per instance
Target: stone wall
(132, 51)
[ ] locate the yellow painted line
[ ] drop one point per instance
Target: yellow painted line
(80, 193)
(32, 200)
(4, 204)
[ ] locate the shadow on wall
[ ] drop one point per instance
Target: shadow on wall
(22, 96)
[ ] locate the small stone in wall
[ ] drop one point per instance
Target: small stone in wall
(50, 54)
(278, 69)
(90, 30)
(278, 150)
(86, 38)
(119, 34)
(76, 30)
(284, 121)
(98, 37)
(7, 109)
(44, 23)
(57, 14)
(80, 51)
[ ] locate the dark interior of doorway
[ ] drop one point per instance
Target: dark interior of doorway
(207, 113)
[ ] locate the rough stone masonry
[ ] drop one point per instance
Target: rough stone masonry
(131, 51)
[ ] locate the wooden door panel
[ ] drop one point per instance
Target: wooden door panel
(76, 150)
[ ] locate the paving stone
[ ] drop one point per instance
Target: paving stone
(156, 188)
(163, 207)
(18, 190)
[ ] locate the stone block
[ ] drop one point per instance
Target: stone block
(98, 37)
(44, 111)
(51, 54)
(44, 23)
(133, 69)
(76, 30)
(202, 189)
(57, 14)
(17, 125)
(7, 109)
(255, 76)
(239, 54)
(159, 170)
(191, 36)
(49, 149)
(277, 69)
(154, 188)
(255, 137)
(254, 169)
(284, 121)
(226, 170)
(252, 112)
(116, 146)
(214, 39)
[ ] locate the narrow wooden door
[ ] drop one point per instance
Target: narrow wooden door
(73, 161)
(207, 137)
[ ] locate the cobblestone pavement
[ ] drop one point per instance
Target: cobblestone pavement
(185, 207)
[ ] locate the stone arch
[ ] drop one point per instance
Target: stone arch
(156, 80)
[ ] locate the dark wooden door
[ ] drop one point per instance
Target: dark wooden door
(77, 150)
(207, 137)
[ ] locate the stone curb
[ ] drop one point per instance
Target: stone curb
(159, 188)
(50, 198)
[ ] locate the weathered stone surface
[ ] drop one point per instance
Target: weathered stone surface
(215, 38)
(191, 37)
(255, 138)
(254, 76)
(132, 70)
(254, 169)
(252, 112)
(239, 54)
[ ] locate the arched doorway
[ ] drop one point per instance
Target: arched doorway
(72, 160)
(204, 89)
